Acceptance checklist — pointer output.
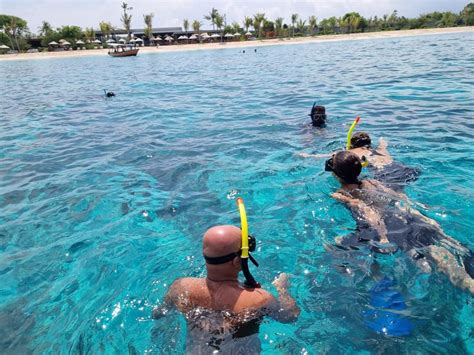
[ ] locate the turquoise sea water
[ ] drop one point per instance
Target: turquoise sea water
(103, 202)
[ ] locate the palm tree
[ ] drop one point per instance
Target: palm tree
(148, 25)
(89, 34)
(126, 19)
(294, 17)
(300, 26)
(278, 25)
(312, 23)
(212, 17)
(236, 27)
(105, 28)
(247, 23)
(197, 29)
(186, 27)
(45, 28)
(342, 23)
(219, 21)
(258, 20)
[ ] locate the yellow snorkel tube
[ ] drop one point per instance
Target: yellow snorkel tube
(364, 161)
(349, 133)
(245, 256)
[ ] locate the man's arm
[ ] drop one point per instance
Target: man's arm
(284, 308)
(370, 215)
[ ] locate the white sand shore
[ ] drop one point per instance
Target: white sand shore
(244, 44)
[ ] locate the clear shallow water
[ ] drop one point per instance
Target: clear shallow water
(104, 201)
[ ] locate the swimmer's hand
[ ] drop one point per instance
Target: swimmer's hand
(281, 282)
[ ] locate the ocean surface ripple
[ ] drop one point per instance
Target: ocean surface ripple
(104, 201)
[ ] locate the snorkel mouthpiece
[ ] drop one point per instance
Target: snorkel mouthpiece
(349, 133)
(244, 257)
(364, 162)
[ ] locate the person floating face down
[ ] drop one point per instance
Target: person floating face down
(393, 174)
(221, 313)
(387, 218)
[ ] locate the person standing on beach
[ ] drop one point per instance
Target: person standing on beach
(221, 313)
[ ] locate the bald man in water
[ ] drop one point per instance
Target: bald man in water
(219, 310)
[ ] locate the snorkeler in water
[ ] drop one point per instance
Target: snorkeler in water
(393, 174)
(386, 218)
(318, 115)
(222, 314)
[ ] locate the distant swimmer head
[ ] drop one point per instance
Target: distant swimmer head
(109, 93)
(360, 139)
(318, 115)
(346, 166)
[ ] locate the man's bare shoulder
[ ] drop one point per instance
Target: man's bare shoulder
(255, 298)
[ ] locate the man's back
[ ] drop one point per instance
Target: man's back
(231, 296)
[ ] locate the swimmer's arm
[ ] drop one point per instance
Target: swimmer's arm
(317, 156)
(383, 157)
(370, 215)
(382, 149)
(284, 308)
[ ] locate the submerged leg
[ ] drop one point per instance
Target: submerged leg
(449, 265)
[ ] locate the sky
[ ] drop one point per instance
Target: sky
(88, 13)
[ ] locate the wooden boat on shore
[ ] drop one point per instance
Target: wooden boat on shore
(120, 50)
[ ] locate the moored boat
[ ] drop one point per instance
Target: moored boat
(120, 50)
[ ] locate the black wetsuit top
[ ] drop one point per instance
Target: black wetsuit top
(396, 175)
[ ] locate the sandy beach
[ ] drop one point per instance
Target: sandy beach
(244, 44)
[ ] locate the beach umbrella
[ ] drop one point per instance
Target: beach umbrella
(158, 38)
(169, 38)
(205, 36)
(110, 41)
(215, 35)
(193, 37)
(138, 40)
(122, 40)
(4, 47)
(237, 34)
(80, 42)
(52, 43)
(96, 41)
(182, 37)
(229, 35)
(65, 43)
(248, 34)
(133, 40)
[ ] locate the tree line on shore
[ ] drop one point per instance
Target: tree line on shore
(14, 31)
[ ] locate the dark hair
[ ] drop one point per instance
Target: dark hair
(346, 165)
(360, 139)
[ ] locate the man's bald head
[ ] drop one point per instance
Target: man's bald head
(221, 240)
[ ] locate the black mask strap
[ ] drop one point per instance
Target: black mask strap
(221, 259)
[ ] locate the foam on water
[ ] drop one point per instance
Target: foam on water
(104, 201)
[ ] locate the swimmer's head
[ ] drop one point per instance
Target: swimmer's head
(221, 246)
(346, 166)
(360, 139)
(318, 115)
